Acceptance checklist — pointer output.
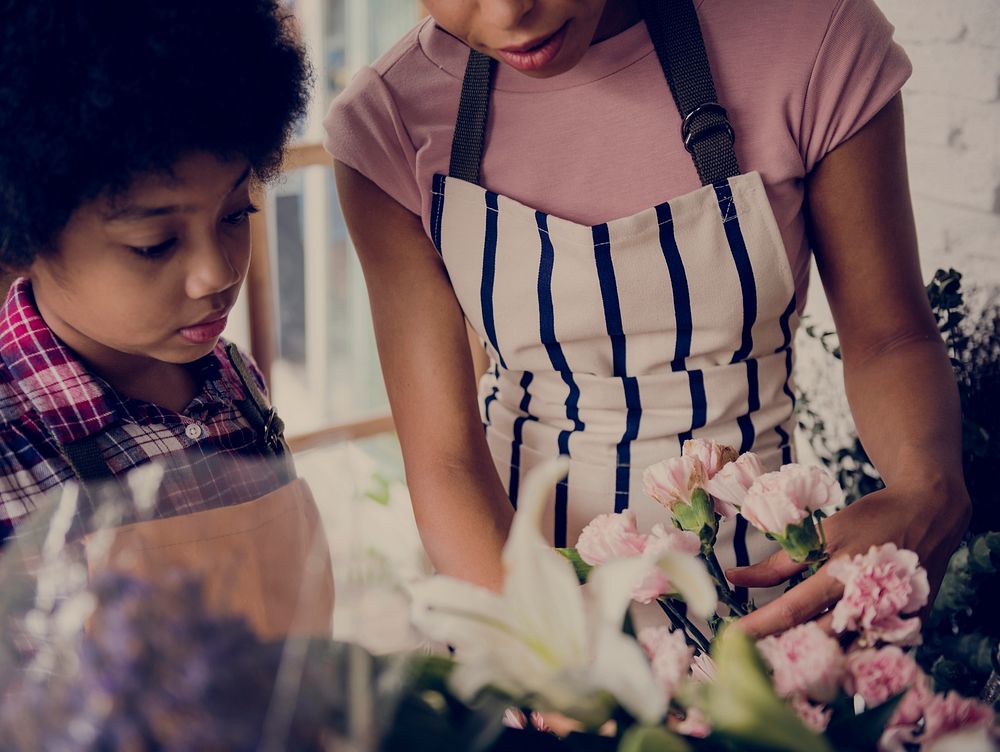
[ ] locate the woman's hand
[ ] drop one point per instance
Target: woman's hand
(896, 371)
(928, 520)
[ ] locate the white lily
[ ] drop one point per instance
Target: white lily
(544, 639)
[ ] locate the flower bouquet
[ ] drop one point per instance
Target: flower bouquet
(566, 656)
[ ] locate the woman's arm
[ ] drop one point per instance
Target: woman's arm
(899, 382)
(459, 502)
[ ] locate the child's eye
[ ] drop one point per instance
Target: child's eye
(154, 251)
(238, 218)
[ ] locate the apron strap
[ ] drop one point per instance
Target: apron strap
(705, 129)
(673, 27)
(260, 415)
(86, 461)
(473, 110)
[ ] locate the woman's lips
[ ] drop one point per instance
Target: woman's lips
(204, 332)
(536, 57)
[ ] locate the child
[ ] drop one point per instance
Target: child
(635, 262)
(131, 137)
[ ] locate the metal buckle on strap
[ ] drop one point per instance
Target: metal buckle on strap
(274, 428)
(690, 137)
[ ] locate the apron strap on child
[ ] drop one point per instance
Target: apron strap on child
(259, 414)
(705, 128)
(676, 34)
(473, 110)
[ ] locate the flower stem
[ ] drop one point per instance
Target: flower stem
(725, 593)
(680, 621)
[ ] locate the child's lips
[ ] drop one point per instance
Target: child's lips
(205, 331)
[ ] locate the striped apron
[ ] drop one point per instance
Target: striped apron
(615, 343)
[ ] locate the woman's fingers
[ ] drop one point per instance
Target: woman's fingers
(798, 605)
(775, 569)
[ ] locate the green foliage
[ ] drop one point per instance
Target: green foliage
(962, 632)
(581, 567)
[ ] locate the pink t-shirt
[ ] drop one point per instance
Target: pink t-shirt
(601, 141)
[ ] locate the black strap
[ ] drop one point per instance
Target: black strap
(676, 34)
(261, 416)
(473, 110)
(673, 27)
(86, 461)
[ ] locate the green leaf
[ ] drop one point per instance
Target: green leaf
(984, 553)
(861, 732)
(652, 739)
(581, 567)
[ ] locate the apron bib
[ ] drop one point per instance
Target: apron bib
(615, 343)
(266, 560)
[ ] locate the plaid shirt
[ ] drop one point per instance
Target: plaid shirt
(48, 399)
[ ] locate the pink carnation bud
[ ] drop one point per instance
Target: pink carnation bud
(610, 536)
(671, 482)
(713, 456)
(729, 485)
(663, 539)
(777, 500)
(815, 717)
(879, 586)
(805, 661)
(669, 654)
(878, 675)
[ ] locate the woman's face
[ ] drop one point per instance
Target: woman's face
(540, 38)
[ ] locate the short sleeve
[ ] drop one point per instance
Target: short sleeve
(365, 131)
(857, 71)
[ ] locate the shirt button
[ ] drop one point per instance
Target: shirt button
(194, 430)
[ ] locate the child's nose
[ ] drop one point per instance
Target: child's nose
(212, 270)
(505, 14)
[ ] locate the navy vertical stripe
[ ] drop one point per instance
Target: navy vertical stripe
(742, 555)
(489, 273)
(547, 330)
(786, 345)
(682, 320)
(437, 210)
(513, 485)
(491, 398)
(748, 288)
(616, 331)
(738, 248)
(745, 422)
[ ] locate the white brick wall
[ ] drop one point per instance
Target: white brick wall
(952, 106)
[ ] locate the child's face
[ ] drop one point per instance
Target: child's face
(540, 38)
(150, 274)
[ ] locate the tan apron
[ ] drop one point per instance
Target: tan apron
(266, 560)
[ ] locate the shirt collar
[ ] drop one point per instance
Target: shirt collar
(72, 402)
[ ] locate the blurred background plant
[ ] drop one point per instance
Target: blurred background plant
(962, 632)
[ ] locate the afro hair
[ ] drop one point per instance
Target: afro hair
(94, 94)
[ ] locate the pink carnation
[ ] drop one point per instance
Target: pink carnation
(777, 500)
(878, 587)
(946, 714)
(610, 536)
(713, 456)
(815, 717)
(669, 654)
(663, 539)
(878, 675)
(730, 484)
(671, 482)
(805, 661)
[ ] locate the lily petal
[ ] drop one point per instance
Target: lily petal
(691, 579)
